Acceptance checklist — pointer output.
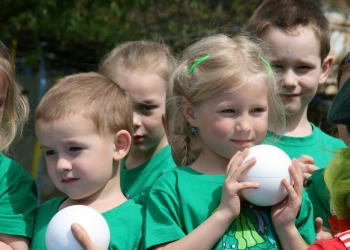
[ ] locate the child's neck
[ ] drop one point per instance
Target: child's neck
(297, 125)
(210, 164)
(136, 158)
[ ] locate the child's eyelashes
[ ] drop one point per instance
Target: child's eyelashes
(75, 149)
(257, 110)
(228, 111)
(145, 108)
(50, 152)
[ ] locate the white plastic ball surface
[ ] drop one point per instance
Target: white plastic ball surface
(59, 235)
(270, 168)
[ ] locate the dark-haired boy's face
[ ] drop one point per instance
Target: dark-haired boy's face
(297, 63)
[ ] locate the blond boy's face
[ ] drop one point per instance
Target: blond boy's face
(79, 161)
(147, 91)
(298, 66)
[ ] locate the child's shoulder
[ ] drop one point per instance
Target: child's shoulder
(11, 167)
(328, 139)
(50, 206)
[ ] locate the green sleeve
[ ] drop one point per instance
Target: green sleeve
(319, 196)
(304, 221)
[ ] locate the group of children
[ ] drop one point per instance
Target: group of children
(105, 139)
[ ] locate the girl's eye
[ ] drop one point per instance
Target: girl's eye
(50, 152)
(147, 107)
(75, 148)
(227, 111)
(257, 110)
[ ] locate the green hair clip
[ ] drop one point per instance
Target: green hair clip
(267, 64)
(196, 63)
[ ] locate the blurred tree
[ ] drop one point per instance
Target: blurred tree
(79, 32)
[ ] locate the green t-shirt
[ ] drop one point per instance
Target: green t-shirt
(125, 224)
(321, 147)
(18, 199)
(317, 189)
(183, 199)
(318, 145)
(137, 182)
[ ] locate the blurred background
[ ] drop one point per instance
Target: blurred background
(50, 39)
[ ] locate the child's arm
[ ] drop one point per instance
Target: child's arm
(13, 242)
(284, 213)
(210, 231)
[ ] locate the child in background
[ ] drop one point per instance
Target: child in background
(317, 186)
(142, 69)
(225, 97)
(83, 125)
(337, 173)
(299, 36)
(18, 191)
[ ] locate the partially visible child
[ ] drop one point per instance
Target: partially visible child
(337, 175)
(298, 33)
(83, 125)
(18, 191)
(225, 98)
(143, 69)
(338, 116)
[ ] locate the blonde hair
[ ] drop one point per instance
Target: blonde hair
(233, 63)
(139, 55)
(92, 95)
(16, 109)
(337, 179)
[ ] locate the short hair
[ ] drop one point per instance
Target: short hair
(289, 15)
(92, 95)
(337, 179)
(16, 109)
(148, 56)
(233, 63)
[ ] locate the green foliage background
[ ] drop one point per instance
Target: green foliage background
(79, 32)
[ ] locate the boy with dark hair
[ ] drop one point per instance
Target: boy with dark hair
(299, 35)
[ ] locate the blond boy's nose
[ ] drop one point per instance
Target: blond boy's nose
(63, 165)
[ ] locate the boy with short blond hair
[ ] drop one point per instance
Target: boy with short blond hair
(299, 35)
(83, 125)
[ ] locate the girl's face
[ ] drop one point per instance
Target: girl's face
(147, 91)
(232, 121)
(3, 95)
(343, 132)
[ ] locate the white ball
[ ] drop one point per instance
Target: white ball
(59, 235)
(270, 168)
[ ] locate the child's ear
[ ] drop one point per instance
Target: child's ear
(122, 143)
(188, 110)
(326, 69)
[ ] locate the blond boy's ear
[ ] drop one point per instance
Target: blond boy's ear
(122, 143)
(189, 113)
(326, 69)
